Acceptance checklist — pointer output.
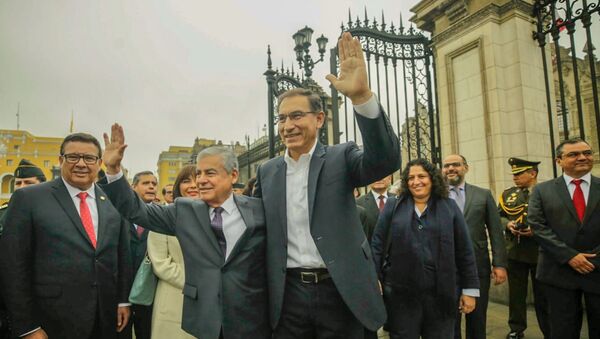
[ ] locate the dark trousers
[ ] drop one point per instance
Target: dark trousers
(475, 327)
(315, 311)
(140, 322)
(422, 319)
(518, 279)
(566, 312)
(370, 334)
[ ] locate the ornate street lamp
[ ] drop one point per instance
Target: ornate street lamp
(302, 40)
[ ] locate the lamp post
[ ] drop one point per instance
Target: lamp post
(248, 156)
(302, 39)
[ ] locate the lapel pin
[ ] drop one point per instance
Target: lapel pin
(102, 198)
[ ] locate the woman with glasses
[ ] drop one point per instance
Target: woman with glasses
(167, 263)
(423, 257)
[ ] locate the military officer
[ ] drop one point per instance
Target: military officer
(522, 249)
(26, 174)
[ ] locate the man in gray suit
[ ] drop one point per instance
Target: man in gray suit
(222, 238)
(479, 208)
(322, 280)
(564, 214)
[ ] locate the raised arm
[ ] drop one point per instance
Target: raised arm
(157, 218)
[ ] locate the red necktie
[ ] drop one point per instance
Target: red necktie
(86, 217)
(381, 203)
(140, 230)
(578, 200)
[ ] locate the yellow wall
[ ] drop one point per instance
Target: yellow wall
(16, 145)
(169, 163)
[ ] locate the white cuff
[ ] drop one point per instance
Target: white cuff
(113, 177)
(28, 333)
(471, 292)
(124, 304)
(369, 109)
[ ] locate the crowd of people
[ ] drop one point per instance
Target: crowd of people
(294, 254)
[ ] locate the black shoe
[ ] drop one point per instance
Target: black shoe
(515, 335)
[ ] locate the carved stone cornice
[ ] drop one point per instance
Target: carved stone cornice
(456, 12)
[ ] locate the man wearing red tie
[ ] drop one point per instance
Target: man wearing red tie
(144, 184)
(373, 203)
(564, 214)
(64, 253)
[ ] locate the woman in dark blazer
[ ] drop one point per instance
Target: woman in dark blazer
(423, 257)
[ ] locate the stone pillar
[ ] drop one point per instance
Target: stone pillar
(490, 85)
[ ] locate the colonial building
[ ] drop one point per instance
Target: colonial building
(16, 145)
(170, 162)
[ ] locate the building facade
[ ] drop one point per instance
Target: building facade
(16, 145)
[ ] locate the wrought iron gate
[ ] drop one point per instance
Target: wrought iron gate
(401, 73)
(570, 79)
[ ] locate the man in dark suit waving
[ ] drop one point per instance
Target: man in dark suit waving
(483, 221)
(564, 214)
(64, 253)
(322, 280)
(222, 238)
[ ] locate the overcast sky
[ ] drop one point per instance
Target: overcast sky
(168, 71)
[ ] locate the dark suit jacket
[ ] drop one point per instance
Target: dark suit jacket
(455, 262)
(561, 235)
(334, 172)
(53, 277)
(371, 207)
(229, 294)
(481, 215)
(138, 245)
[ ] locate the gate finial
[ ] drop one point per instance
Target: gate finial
(269, 62)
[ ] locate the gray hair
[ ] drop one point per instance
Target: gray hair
(229, 158)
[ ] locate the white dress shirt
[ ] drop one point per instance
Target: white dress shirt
(90, 200)
(301, 248)
(585, 185)
(377, 195)
(233, 224)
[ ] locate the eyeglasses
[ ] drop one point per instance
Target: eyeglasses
(293, 116)
(575, 155)
(453, 164)
(73, 158)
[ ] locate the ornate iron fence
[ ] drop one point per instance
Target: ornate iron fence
(571, 79)
(401, 73)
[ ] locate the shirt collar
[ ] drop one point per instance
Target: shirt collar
(73, 191)
(376, 195)
(308, 155)
(228, 205)
(461, 186)
(586, 178)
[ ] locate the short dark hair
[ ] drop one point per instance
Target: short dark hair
(313, 99)
(184, 173)
(136, 177)
(572, 141)
(439, 187)
(81, 137)
(249, 189)
(164, 189)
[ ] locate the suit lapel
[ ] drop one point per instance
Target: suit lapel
(279, 186)
(202, 213)
(565, 197)
(103, 207)
(468, 198)
(64, 199)
(593, 198)
(248, 217)
(371, 203)
(316, 164)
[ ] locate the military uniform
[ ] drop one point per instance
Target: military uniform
(522, 255)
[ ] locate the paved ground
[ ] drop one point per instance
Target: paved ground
(497, 326)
